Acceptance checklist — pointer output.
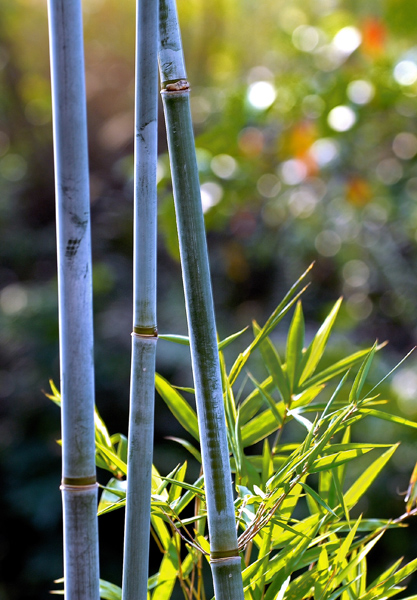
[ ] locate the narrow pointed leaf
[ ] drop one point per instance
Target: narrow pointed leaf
(295, 342)
(181, 410)
(318, 345)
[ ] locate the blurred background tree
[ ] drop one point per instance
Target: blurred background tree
(305, 116)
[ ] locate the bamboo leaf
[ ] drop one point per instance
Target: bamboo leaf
(259, 428)
(181, 410)
(355, 561)
(388, 417)
(188, 446)
(270, 402)
(360, 486)
(184, 340)
(337, 368)
(331, 461)
(186, 486)
(392, 581)
(318, 345)
(273, 364)
(112, 493)
(361, 376)
(295, 342)
(224, 343)
(271, 323)
(317, 498)
(112, 456)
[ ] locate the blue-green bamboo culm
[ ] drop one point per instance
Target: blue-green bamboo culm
(225, 560)
(79, 487)
(144, 335)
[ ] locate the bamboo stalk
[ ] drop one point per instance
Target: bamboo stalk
(144, 336)
(79, 487)
(225, 560)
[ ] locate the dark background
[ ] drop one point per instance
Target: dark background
(286, 180)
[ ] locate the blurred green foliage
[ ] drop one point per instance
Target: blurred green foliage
(305, 116)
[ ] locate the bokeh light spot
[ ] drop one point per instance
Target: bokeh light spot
(211, 194)
(224, 166)
(328, 243)
(341, 118)
(405, 145)
(13, 167)
(359, 306)
(405, 72)
(13, 299)
(268, 185)
(360, 91)
(293, 171)
(404, 384)
(347, 39)
(261, 94)
(324, 151)
(356, 273)
(389, 171)
(305, 38)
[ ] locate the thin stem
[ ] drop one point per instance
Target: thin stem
(79, 487)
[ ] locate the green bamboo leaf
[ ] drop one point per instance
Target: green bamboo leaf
(346, 544)
(317, 498)
(302, 420)
(392, 581)
(352, 564)
(181, 410)
(385, 575)
(177, 482)
(114, 490)
(360, 486)
(331, 461)
(161, 530)
(224, 343)
(295, 342)
(168, 573)
(112, 456)
(270, 402)
(184, 340)
(322, 574)
(316, 349)
(278, 314)
(388, 417)
(267, 462)
(361, 376)
(190, 495)
(186, 486)
(337, 368)
(108, 591)
(274, 366)
(187, 445)
(306, 397)
(254, 401)
(259, 428)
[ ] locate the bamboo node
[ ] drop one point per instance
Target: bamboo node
(78, 483)
(145, 332)
(224, 554)
(177, 86)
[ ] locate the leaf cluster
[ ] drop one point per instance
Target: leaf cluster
(297, 536)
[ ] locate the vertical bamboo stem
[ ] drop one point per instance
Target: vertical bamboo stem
(225, 559)
(144, 336)
(79, 488)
